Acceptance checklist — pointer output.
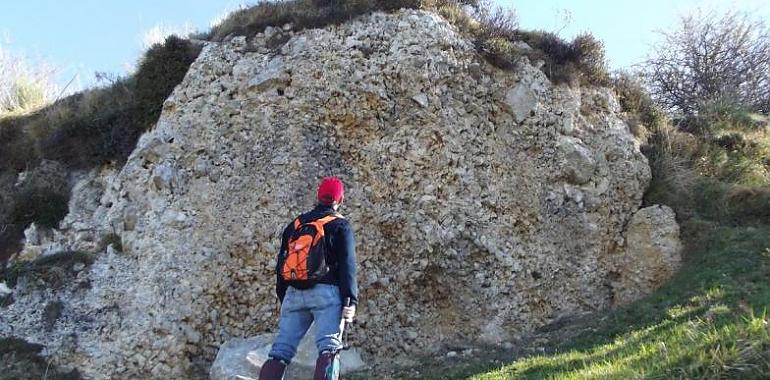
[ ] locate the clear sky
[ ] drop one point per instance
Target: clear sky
(80, 37)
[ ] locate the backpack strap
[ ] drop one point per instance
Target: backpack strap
(319, 225)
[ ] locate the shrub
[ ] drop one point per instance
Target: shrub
(712, 58)
(52, 270)
(496, 23)
(721, 179)
(581, 61)
(671, 155)
(636, 101)
(44, 207)
(111, 239)
(21, 207)
(103, 125)
(589, 57)
(15, 148)
(160, 70)
(748, 203)
(499, 52)
(22, 360)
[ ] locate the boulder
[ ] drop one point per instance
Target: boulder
(652, 253)
(476, 196)
(241, 359)
(521, 101)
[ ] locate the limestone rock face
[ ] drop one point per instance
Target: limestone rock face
(485, 202)
(653, 253)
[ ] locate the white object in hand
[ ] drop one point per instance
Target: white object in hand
(348, 312)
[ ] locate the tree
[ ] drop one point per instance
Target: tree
(712, 59)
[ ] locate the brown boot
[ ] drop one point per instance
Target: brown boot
(327, 366)
(273, 369)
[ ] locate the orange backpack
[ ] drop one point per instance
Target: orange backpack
(304, 261)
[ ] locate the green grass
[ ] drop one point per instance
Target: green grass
(709, 321)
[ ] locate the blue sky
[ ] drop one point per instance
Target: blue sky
(80, 37)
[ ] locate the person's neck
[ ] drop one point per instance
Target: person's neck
(324, 207)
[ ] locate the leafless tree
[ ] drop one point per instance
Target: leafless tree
(712, 58)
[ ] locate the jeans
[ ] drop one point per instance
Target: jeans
(299, 309)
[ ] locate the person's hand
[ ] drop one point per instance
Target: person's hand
(348, 313)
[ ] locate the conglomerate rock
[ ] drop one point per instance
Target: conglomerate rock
(485, 202)
(652, 253)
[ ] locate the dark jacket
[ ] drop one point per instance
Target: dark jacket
(338, 234)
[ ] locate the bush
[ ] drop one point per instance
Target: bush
(44, 207)
(671, 155)
(53, 270)
(22, 360)
(722, 179)
(16, 148)
(112, 239)
(712, 58)
(643, 115)
(160, 70)
(581, 61)
(748, 203)
(103, 125)
(589, 57)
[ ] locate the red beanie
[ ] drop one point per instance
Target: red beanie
(331, 191)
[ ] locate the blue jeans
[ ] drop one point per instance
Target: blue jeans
(299, 309)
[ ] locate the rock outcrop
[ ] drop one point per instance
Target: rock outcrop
(485, 202)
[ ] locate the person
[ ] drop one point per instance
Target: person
(322, 300)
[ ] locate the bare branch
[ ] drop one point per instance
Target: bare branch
(712, 58)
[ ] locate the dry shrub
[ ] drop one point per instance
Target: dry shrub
(52, 270)
(635, 100)
(671, 154)
(747, 203)
(581, 61)
(16, 148)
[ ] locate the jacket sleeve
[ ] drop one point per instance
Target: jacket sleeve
(280, 284)
(346, 256)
